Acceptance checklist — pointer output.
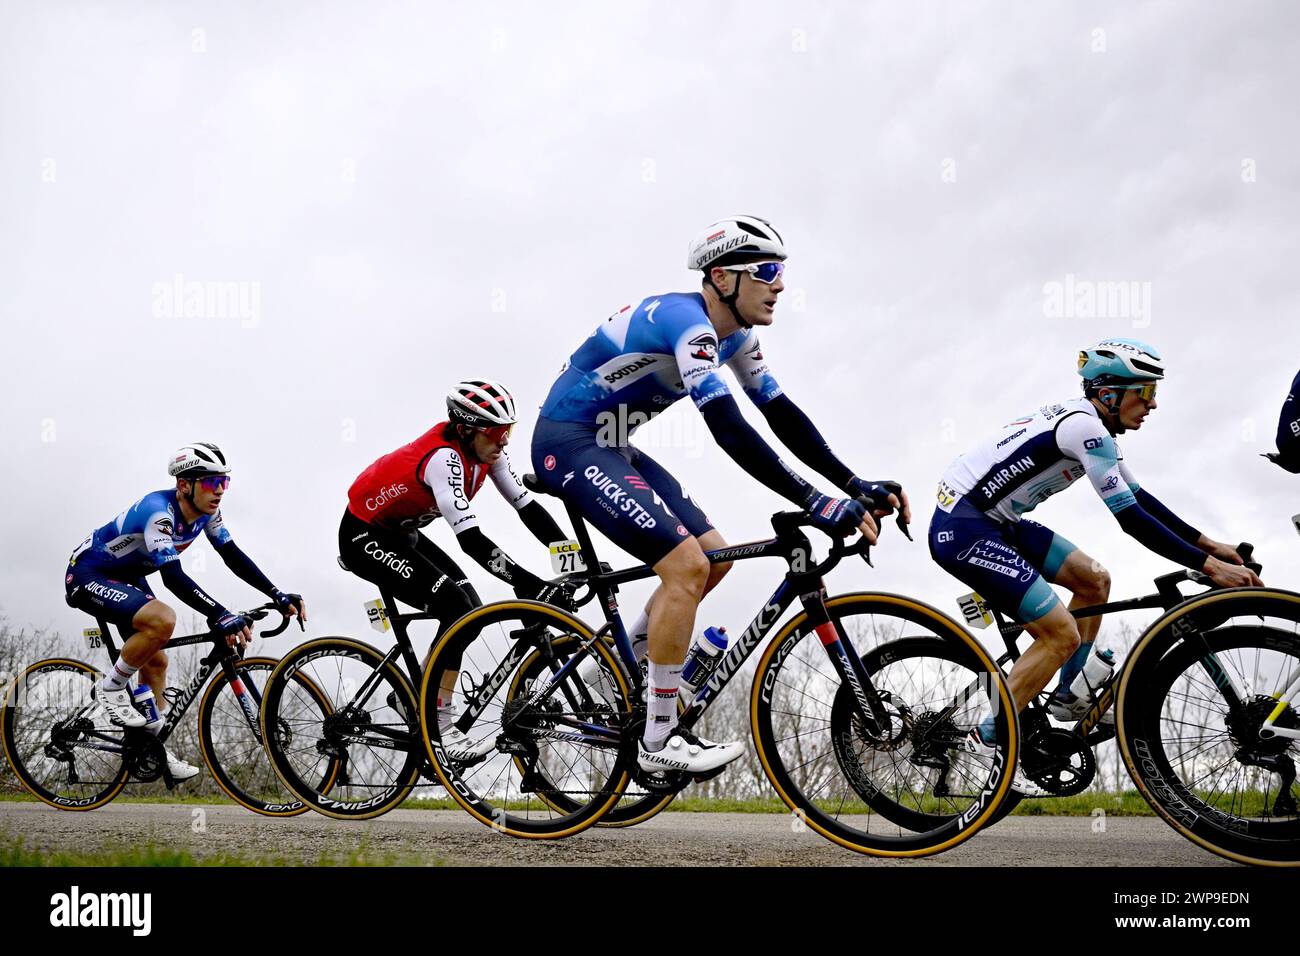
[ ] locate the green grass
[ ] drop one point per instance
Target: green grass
(14, 852)
(1126, 804)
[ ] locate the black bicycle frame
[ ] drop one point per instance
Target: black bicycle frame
(803, 581)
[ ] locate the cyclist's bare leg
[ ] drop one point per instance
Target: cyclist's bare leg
(709, 541)
(154, 624)
(683, 574)
(154, 673)
(1056, 637)
(1090, 584)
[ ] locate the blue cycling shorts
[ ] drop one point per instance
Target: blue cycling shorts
(1009, 565)
(117, 602)
(620, 490)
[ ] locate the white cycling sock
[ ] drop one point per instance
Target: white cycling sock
(118, 678)
(661, 710)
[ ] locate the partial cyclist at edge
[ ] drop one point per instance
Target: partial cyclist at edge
(437, 476)
(1288, 431)
(979, 533)
(107, 577)
(640, 361)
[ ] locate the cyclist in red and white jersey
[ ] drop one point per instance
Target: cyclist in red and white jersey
(437, 476)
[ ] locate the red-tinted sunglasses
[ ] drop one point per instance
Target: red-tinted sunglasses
(213, 482)
(497, 433)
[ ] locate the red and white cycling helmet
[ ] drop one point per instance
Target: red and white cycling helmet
(481, 403)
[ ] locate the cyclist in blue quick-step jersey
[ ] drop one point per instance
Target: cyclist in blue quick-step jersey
(637, 363)
(107, 574)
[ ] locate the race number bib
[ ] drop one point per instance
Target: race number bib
(377, 614)
(946, 496)
(566, 557)
(975, 610)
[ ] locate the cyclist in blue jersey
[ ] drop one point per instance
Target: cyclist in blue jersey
(1288, 431)
(107, 574)
(633, 366)
(979, 533)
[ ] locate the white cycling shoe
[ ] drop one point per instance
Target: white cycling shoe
(456, 745)
(1020, 783)
(688, 753)
(1068, 708)
(179, 769)
(119, 705)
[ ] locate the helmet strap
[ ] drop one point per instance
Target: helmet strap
(728, 300)
(1111, 418)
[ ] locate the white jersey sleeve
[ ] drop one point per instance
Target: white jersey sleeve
(508, 483)
(752, 371)
(158, 542)
(1085, 439)
(444, 474)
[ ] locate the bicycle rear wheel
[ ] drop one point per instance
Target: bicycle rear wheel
(559, 759)
(356, 754)
(1194, 752)
(635, 806)
(63, 748)
(903, 788)
(234, 753)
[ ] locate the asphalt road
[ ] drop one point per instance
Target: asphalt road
(451, 837)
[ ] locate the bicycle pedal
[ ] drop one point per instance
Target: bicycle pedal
(709, 774)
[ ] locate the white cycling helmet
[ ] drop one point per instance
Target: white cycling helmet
(733, 241)
(480, 403)
(196, 460)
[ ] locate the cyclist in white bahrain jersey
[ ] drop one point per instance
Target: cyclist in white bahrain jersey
(979, 534)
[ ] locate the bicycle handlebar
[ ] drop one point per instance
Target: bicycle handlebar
(260, 612)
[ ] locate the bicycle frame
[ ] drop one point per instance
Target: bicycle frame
(1166, 598)
(222, 656)
(803, 582)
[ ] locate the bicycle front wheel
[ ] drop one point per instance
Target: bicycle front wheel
(1193, 704)
(64, 749)
(897, 781)
(555, 752)
(230, 738)
(340, 726)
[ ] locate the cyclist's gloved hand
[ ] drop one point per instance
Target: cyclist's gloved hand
(877, 491)
(235, 628)
(290, 604)
(838, 516)
(558, 593)
(228, 623)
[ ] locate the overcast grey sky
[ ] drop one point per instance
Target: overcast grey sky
(410, 194)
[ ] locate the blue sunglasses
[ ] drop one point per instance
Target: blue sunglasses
(764, 272)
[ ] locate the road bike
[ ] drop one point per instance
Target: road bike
(835, 742)
(1204, 709)
(67, 753)
(363, 756)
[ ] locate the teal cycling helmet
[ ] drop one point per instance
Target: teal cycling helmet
(1119, 363)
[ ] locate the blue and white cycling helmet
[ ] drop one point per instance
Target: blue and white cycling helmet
(1120, 363)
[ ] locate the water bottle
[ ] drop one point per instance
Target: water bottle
(1097, 670)
(147, 704)
(702, 658)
